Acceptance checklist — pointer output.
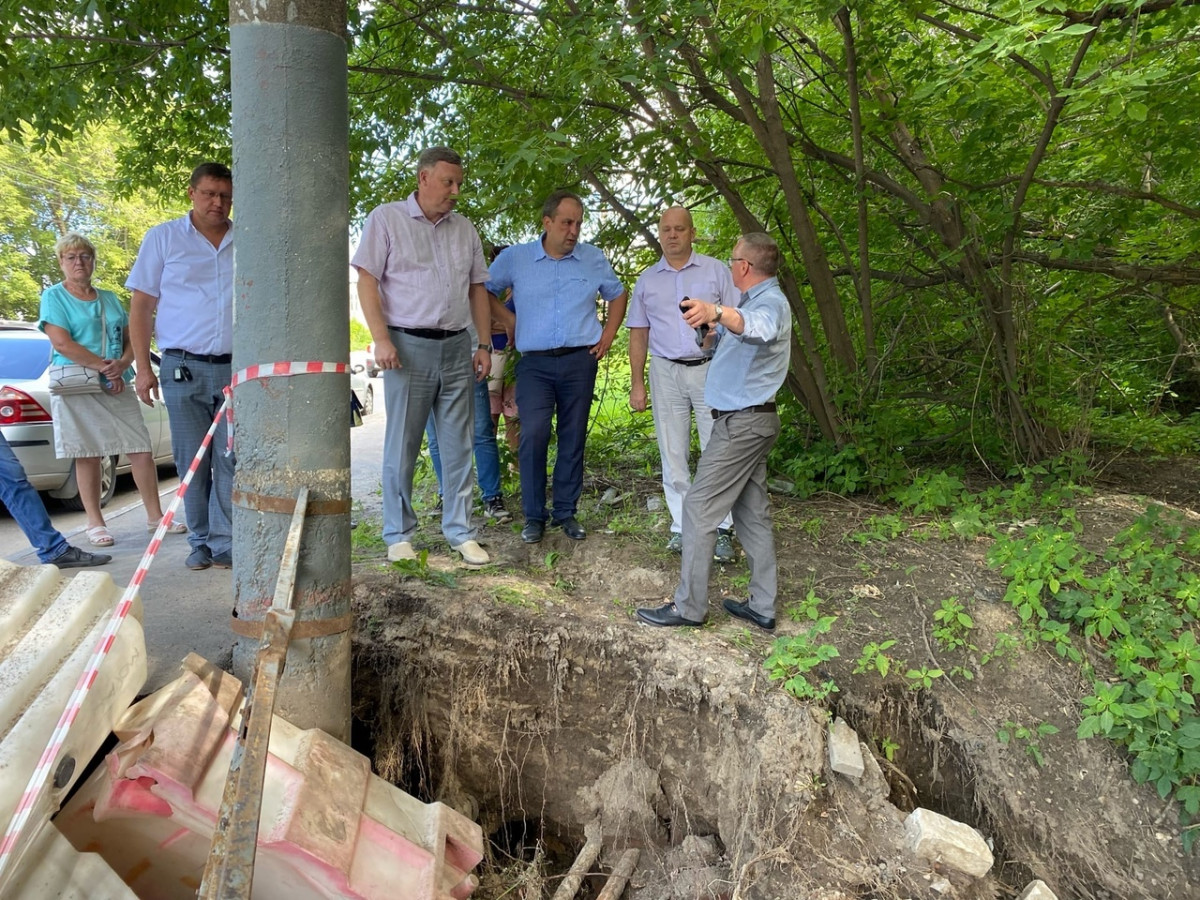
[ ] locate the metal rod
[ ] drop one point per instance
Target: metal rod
(569, 886)
(615, 886)
(229, 874)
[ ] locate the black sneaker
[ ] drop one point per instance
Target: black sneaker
(74, 558)
(199, 559)
(724, 552)
(436, 509)
(495, 509)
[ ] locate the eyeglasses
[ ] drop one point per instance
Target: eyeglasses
(734, 259)
(79, 257)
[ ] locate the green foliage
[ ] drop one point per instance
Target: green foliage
(1026, 737)
(44, 194)
(793, 658)
(1137, 607)
(922, 677)
(953, 626)
(420, 569)
(874, 656)
(360, 335)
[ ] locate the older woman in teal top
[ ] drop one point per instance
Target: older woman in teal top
(89, 327)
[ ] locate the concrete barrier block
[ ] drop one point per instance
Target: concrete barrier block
(940, 839)
(845, 756)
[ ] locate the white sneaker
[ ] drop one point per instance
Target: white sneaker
(473, 554)
(401, 550)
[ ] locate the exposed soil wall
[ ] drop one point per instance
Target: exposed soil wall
(529, 698)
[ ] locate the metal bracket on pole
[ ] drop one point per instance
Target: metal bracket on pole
(229, 874)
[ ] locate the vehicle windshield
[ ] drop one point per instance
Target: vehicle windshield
(23, 358)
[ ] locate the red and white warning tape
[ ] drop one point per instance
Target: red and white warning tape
(41, 773)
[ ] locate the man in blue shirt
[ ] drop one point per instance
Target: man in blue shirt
(555, 281)
(749, 366)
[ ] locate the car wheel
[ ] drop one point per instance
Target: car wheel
(369, 402)
(108, 485)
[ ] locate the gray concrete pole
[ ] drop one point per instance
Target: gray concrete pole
(291, 303)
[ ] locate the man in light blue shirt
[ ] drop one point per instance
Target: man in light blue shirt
(555, 281)
(748, 368)
(678, 359)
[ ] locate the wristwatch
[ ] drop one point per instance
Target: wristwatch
(487, 347)
(718, 311)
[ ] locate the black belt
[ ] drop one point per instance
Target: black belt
(432, 334)
(761, 407)
(557, 351)
(220, 359)
(693, 361)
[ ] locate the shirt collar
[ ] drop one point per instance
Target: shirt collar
(414, 210)
(664, 266)
(540, 251)
(771, 282)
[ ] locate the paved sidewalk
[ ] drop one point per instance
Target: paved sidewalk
(184, 611)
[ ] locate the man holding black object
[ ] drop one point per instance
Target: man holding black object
(748, 368)
(679, 356)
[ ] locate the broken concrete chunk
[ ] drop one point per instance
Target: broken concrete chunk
(940, 839)
(845, 756)
(1037, 890)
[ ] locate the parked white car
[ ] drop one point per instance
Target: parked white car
(26, 423)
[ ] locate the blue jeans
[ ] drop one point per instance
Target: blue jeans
(487, 456)
(27, 508)
(554, 388)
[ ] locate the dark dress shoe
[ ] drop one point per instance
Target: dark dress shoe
(666, 615)
(743, 611)
(571, 528)
(532, 532)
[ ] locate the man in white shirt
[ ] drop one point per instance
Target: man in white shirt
(678, 361)
(182, 284)
(421, 276)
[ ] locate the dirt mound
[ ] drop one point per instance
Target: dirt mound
(527, 696)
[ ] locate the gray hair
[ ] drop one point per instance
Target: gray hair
(434, 155)
(73, 240)
(761, 251)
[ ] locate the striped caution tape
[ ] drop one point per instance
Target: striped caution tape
(272, 370)
(41, 773)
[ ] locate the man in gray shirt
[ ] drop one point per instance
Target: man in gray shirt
(748, 368)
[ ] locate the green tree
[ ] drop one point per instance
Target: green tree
(44, 194)
(988, 211)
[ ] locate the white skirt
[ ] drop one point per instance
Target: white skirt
(98, 424)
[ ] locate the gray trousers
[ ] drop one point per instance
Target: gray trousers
(434, 378)
(192, 405)
(731, 476)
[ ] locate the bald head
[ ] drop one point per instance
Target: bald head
(675, 235)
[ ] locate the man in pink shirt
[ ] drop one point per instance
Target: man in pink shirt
(421, 275)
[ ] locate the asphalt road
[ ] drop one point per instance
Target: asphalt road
(184, 610)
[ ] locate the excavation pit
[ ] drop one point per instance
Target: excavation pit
(527, 697)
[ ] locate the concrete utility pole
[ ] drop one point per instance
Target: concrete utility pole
(291, 303)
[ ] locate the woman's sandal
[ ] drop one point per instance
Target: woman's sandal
(173, 528)
(100, 536)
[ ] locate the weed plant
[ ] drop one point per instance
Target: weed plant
(1135, 608)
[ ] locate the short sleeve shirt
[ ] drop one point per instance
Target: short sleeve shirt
(555, 299)
(81, 319)
(425, 269)
(660, 290)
